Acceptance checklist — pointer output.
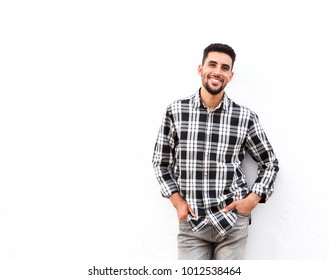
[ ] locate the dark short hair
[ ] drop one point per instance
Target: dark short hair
(217, 47)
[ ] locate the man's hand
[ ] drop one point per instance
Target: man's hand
(182, 207)
(244, 206)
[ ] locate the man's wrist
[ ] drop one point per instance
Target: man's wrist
(254, 198)
(175, 199)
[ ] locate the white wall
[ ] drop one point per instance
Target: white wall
(84, 85)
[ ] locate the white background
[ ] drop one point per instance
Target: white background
(83, 88)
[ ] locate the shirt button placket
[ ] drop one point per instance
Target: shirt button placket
(206, 159)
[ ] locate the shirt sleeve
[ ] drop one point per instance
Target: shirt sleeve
(163, 156)
(262, 152)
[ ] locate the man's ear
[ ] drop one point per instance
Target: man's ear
(231, 77)
(200, 70)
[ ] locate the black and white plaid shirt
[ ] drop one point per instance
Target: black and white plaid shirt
(199, 151)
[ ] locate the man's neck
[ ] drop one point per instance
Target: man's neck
(210, 100)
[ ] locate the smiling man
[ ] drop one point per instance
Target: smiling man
(197, 160)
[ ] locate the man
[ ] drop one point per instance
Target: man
(197, 160)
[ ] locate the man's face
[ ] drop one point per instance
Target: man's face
(216, 72)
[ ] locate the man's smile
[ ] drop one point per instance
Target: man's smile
(215, 80)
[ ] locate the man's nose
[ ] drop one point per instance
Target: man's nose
(218, 71)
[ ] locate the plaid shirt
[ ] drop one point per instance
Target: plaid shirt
(199, 151)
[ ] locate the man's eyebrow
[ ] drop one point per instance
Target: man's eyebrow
(226, 65)
(223, 65)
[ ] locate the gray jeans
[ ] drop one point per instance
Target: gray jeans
(208, 244)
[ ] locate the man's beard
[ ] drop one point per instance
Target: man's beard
(214, 91)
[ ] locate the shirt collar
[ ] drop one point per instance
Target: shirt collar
(199, 104)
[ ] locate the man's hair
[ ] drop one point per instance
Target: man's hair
(219, 48)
